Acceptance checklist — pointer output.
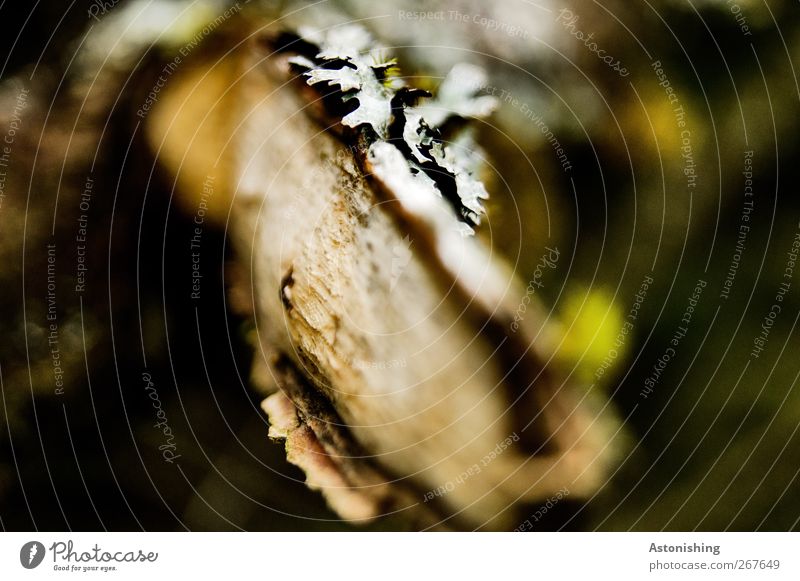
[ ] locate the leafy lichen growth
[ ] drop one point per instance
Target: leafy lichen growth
(361, 85)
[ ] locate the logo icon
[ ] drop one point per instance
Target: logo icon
(31, 554)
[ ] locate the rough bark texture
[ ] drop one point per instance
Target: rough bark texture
(389, 333)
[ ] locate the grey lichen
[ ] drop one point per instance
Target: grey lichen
(361, 87)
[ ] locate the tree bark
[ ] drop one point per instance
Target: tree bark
(396, 365)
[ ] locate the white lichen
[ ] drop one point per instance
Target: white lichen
(353, 67)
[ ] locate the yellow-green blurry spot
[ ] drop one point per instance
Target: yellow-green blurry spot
(594, 340)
